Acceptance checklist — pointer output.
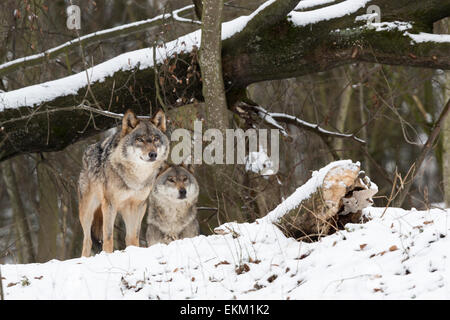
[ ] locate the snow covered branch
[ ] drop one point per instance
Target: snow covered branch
(314, 127)
(175, 15)
(107, 34)
(273, 119)
(273, 42)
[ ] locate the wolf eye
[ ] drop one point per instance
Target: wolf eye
(171, 179)
(184, 178)
(155, 138)
(139, 139)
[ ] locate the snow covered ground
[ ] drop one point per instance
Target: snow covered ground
(401, 255)
(397, 254)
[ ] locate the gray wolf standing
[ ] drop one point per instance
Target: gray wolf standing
(117, 176)
(172, 212)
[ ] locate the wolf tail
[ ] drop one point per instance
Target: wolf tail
(97, 230)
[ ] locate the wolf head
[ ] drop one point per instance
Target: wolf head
(177, 183)
(144, 140)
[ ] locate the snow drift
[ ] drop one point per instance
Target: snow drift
(397, 254)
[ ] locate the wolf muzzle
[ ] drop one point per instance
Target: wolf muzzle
(152, 156)
(182, 193)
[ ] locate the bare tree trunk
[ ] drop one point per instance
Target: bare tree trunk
(23, 238)
(48, 214)
(444, 27)
(217, 114)
(343, 114)
(363, 122)
(211, 65)
(403, 192)
(446, 146)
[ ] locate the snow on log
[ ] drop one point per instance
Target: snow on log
(338, 198)
(334, 196)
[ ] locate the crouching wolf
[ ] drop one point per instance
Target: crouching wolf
(117, 176)
(172, 211)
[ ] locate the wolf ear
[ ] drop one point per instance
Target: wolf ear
(159, 120)
(189, 167)
(129, 122)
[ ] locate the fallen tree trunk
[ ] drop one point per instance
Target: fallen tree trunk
(334, 196)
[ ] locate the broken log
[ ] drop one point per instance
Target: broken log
(334, 196)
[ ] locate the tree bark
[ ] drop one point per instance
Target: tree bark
(344, 107)
(211, 65)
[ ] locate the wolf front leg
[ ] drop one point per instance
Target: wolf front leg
(133, 219)
(88, 203)
(109, 217)
(155, 235)
(191, 230)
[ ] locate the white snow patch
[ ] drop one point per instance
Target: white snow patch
(237, 25)
(365, 17)
(400, 255)
(389, 26)
(429, 37)
(331, 12)
(259, 162)
(305, 4)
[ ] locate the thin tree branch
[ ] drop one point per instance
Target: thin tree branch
(425, 150)
(314, 127)
(157, 89)
(81, 106)
(272, 118)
